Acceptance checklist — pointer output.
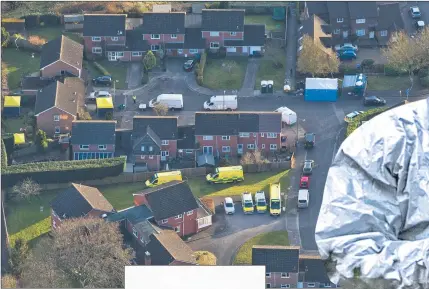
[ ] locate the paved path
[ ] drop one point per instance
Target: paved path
(248, 86)
(134, 74)
(291, 45)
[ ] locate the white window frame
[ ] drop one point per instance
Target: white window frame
(135, 233)
(262, 134)
(102, 147)
(337, 31)
(153, 36)
(114, 38)
(165, 221)
(180, 51)
(214, 33)
(244, 134)
(327, 285)
(165, 142)
(360, 21)
(271, 135)
(153, 47)
(119, 54)
(360, 34)
(151, 157)
(97, 50)
(214, 46)
(56, 117)
(142, 240)
(232, 33)
(383, 33)
(226, 149)
(286, 275)
(173, 36)
(165, 153)
(207, 137)
(142, 157)
(57, 129)
(136, 54)
(178, 216)
(226, 137)
(193, 51)
(189, 213)
(340, 20)
(273, 147)
(150, 148)
(250, 146)
(268, 275)
(189, 151)
(96, 39)
(84, 147)
(142, 148)
(285, 286)
(311, 285)
(263, 146)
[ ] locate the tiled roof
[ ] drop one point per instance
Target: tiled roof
(112, 25)
(390, 18)
(276, 258)
(164, 23)
(135, 42)
(194, 39)
(317, 7)
(34, 83)
(314, 269)
(170, 199)
(93, 132)
(186, 137)
(338, 9)
(166, 246)
(363, 9)
(64, 49)
(228, 20)
(149, 138)
(61, 95)
(135, 214)
(164, 126)
(79, 200)
(254, 35)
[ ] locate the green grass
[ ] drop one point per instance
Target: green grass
(267, 70)
(270, 23)
(19, 62)
(244, 254)
(12, 125)
(218, 77)
(50, 33)
(117, 70)
(381, 82)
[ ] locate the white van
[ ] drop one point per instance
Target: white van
(221, 102)
(288, 116)
(173, 101)
(303, 198)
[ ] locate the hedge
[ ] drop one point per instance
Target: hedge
(101, 69)
(200, 70)
(424, 81)
(63, 171)
(32, 21)
(3, 156)
(367, 115)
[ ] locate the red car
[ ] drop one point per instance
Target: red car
(304, 182)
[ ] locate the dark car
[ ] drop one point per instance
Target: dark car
(188, 65)
(310, 140)
(419, 24)
(102, 80)
(373, 100)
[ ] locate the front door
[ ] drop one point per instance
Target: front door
(208, 150)
(345, 34)
(240, 148)
(112, 56)
(164, 155)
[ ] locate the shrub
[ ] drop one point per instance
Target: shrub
(36, 40)
(101, 69)
(200, 80)
(41, 140)
(390, 71)
(367, 115)
(199, 71)
(62, 171)
(3, 155)
(424, 81)
(367, 63)
(377, 68)
(423, 72)
(213, 5)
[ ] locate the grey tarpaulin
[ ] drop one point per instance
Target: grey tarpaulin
(374, 218)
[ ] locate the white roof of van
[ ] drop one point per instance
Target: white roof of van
(260, 194)
(285, 110)
(302, 194)
(321, 83)
(226, 96)
(170, 96)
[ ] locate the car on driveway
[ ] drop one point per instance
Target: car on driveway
(189, 65)
(104, 80)
(308, 167)
(97, 94)
(420, 25)
(415, 12)
(346, 46)
(228, 205)
(347, 55)
(373, 100)
(352, 115)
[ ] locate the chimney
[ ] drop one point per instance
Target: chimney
(147, 259)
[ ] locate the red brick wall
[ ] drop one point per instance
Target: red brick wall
(94, 148)
(164, 38)
(276, 280)
(187, 224)
(217, 143)
(45, 121)
(55, 69)
(89, 44)
(222, 36)
(171, 148)
(185, 52)
(153, 164)
(258, 139)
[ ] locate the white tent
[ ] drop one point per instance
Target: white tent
(288, 116)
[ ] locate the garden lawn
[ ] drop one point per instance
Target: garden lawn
(117, 70)
(52, 32)
(19, 62)
(270, 23)
(381, 82)
(244, 254)
(267, 71)
(218, 77)
(12, 125)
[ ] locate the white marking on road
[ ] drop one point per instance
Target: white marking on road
(334, 152)
(305, 157)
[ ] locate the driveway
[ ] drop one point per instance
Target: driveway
(370, 53)
(408, 21)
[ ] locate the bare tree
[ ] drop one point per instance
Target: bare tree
(26, 189)
(254, 157)
(18, 255)
(8, 281)
(82, 252)
(161, 109)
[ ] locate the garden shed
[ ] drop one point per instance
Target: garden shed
(12, 106)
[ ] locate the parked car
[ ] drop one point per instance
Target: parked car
(96, 94)
(347, 55)
(308, 167)
(346, 46)
(304, 182)
(309, 140)
(228, 205)
(189, 65)
(102, 80)
(373, 100)
(415, 12)
(419, 24)
(352, 115)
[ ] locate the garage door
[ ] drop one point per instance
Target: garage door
(231, 49)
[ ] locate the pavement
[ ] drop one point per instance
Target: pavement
(291, 44)
(248, 86)
(134, 74)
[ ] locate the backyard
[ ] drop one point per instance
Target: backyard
(270, 23)
(116, 69)
(227, 73)
(272, 67)
(381, 82)
(19, 62)
(52, 32)
(244, 254)
(30, 219)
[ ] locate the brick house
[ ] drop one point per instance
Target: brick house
(159, 131)
(30, 85)
(61, 56)
(79, 201)
(318, 30)
(174, 206)
(312, 273)
(104, 35)
(363, 20)
(57, 105)
(93, 139)
(235, 133)
(153, 245)
(389, 23)
(194, 44)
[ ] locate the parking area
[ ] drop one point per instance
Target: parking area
(370, 53)
(408, 20)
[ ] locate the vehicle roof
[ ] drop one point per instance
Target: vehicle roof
(310, 136)
(371, 96)
(302, 194)
(227, 169)
(170, 96)
(353, 114)
(227, 97)
(260, 193)
(275, 190)
(304, 178)
(228, 200)
(415, 8)
(421, 23)
(172, 173)
(247, 196)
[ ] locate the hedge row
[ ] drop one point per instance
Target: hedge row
(63, 171)
(367, 115)
(101, 69)
(200, 69)
(424, 77)
(3, 156)
(32, 21)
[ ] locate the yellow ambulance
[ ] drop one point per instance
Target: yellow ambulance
(226, 175)
(275, 200)
(162, 178)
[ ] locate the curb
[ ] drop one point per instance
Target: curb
(196, 90)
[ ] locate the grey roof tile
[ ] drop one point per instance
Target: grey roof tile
(164, 126)
(223, 20)
(64, 49)
(164, 23)
(93, 132)
(276, 258)
(254, 35)
(314, 269)
(104, 25)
